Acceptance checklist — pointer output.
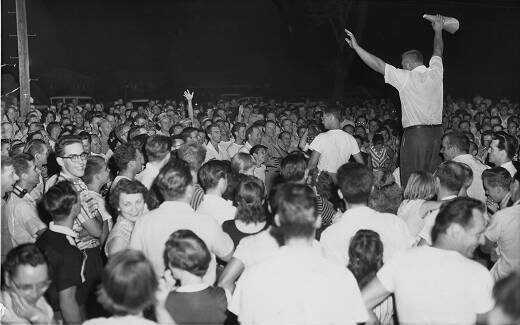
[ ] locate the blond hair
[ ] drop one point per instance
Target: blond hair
(421, 185)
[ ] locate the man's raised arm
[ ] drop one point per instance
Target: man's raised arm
(438, 44)
(371, 60)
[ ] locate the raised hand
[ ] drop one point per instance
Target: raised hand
(438, 23)
(188, 95)
(351, 39)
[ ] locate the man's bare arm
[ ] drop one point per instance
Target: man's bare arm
(313, 161)
(371, 60)
(438, 44)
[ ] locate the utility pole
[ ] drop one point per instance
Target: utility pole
(23, 57)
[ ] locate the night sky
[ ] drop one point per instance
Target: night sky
(177, 44)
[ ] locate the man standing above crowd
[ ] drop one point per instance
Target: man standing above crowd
(333, 148)
(421, 93)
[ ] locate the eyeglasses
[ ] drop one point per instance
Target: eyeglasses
(77, 158)
(40, 287)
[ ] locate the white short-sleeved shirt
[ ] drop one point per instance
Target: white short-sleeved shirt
(217, 207)
(510, 168)
(392, 230)
(148, 175)
(298, 285)
(254, 249)
(420, 91)
(153, 229)
(22, 219)
(335, 148)
(212, 153)
(410, 212)
(437, 286)
(476, 189)
(504, 229)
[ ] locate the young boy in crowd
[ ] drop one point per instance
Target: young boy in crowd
(259, 153)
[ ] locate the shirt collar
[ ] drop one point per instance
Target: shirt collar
(449, 197)
(420, 68)
(168, 205)
(62, 230)
(192, 287)
(462, 157)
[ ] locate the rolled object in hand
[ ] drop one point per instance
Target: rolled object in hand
(451, 24)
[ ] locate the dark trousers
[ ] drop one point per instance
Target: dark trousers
(420, 147)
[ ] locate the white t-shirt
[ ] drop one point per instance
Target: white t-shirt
(476, 189)
(256, 248)
(217, 207)
(335, 148)
(420, 91)
(298, 286)
(393, 232)
(437, 286)
(410, 212)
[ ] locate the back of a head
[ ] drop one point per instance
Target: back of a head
(35, 146)
(355, 181)
(295, 211)
(506, 142)
(457, 211)
(94, 166)
(186, 251)
(334, 111)
(211, 172)
(293, 167)
(173, 180)
(242, 162)
(249, 199)
(157, 147)
(5, 162)
(60, 200)
(25, 254)
(386, 198)
(193, 154)
(451, 175)
(459, 141)
(21, 163)
(506, 293)
(497, 177)
(421, 185)
(365, 256)
(129, 283)
(123, 155)
(414, 56)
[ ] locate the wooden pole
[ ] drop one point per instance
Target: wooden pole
(23, 57)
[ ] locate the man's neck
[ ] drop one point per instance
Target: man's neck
(444, 193)
(26, 186)
(67, 175)
(215, 144)
(350, 206)
(128, 173)
(189, 279)
(300, 242)
(214, 191)
(95, 186)
(446, 245)
(68, 222)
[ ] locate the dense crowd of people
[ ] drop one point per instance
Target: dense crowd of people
(259, 212)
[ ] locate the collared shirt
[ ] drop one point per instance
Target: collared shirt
(246, 148)
(153, 229)
(420, 91)
(212, 153)
(319, 291)
(335, 148)
(437, 286)
(504, 229)
(509, 167)
(22, 219)
(232, 149)
(148, 175)
(119, 238)
(217, 207)
(116, 180)
(429, 221)
(392, 230)
(476, 189)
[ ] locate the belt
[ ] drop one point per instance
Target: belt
(423, 126)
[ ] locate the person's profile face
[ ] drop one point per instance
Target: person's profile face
(30, 282)
(9, 178)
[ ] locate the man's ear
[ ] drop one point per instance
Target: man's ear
(277, 220)
(59, 160)
(317, 223)
(340, 194)
(454, 230)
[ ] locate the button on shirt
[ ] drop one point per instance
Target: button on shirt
(476, 189)
(392, 230)
(504, 229)
(420, 91)
(297, 285)
(335, 148)
(153, 229)
(22, 219)
(437, 286)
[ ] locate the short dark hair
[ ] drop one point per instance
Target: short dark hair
(52, 126)
(128, 283)
(193, 154)
(296, 210)
(334, 111)
(84, 135)
(35, 146)
(293, 166)
(250, 200)
(236, 127)
(251, 129)
(173, 179)
(157, 147)
(365, 256)
(129, 187)
(64, 141)
(506, 142)
(451, 175)
(187, 131)
(5, 162)
(211, 172)
(459, 211)
(123, 155)
(59, 200)
(187, 251)
(458, 140)
(25, 254)
(497, 176)
(93, 166)
(415, 55)
(507, 296)
(257, 148)
(355, 181)
(21, 163)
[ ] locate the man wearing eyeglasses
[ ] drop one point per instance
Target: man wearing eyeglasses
(26, 280)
